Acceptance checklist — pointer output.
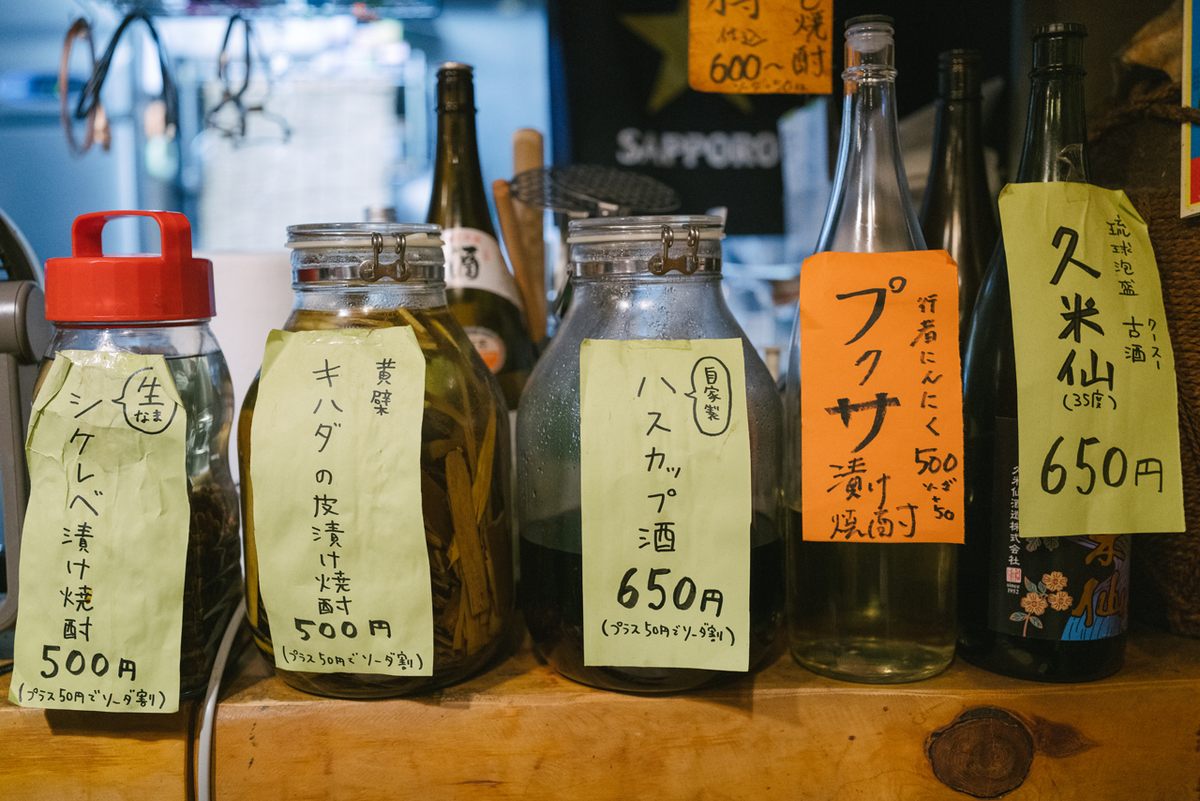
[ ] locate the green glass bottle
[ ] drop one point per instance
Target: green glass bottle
(957, 213)
(1065, 644)
(482, 293)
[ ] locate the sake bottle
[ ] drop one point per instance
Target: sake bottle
(957, 213)
(865, 611)
(482, 293)
(1055, 149)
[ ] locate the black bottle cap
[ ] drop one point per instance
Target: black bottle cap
(958, 74)
(1060, 29)
(455, 90)
(1059, 45)
(866, 19)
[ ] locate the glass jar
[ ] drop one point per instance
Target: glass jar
(622, 293)
(106, 303)
(340, 281)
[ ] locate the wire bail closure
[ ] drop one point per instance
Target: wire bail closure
(397, 270)
(686, 264)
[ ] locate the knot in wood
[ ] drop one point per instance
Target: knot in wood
(985, 752)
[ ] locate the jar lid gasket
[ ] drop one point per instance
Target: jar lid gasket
(359, 234)
(657, 245)
(646, 228)
(365, 252)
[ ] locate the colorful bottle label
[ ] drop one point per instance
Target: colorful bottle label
(489, 345)
(1050, 588)
(105, 538)
(474, 261)
(666, 503)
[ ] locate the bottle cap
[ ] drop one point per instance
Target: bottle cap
(455, 91)
(1059, 45)
(90, 287)
(869, 19)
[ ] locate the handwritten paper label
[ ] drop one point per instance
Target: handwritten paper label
(665, 458)
(336, 470)
(881, 398)
(1096, 396)
(105, 538)
(760, 46)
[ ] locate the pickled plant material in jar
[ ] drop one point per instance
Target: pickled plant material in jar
(128, 457)
(647, 469)
(421, 506)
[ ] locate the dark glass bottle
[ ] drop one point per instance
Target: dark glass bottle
(482, 293)
(957, 213)
(1054, 150)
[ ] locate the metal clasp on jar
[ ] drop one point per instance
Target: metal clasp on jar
(687, 264)
(375, 269)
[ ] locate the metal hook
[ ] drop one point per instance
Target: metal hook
(687, 264)
(374, 270)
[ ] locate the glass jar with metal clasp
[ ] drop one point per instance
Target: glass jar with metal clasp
(377, 276)
(642, 287)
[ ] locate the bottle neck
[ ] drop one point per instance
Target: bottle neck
(1055, 146)
(458, 198)
(870, 209)
(957, 151)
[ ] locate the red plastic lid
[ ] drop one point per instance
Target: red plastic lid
(89, 287)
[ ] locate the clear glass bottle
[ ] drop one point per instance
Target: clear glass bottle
(333, 289)
(864, 611)
(957, 213)
(1055, 149)
(96, 308)
(482, 293)
(616, 296)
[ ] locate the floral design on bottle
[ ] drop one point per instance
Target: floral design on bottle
(1049, 593)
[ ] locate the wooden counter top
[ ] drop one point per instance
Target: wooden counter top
(521, 732)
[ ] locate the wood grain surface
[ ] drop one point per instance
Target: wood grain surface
(521, 732)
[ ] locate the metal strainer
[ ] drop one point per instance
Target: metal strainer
(591, 190)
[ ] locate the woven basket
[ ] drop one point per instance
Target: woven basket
(1139, 152)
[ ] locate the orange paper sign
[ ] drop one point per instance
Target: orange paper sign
(760, 46)
(881, 398)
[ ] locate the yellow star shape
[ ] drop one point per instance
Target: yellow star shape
(668, 34)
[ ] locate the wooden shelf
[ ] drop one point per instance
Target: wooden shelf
(521, 732)
(51, 755)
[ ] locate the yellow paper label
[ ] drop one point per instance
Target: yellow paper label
(666, 503)
(1096, 395)
(881, 398)
(760, 46)
(105, 538)
(336, 467)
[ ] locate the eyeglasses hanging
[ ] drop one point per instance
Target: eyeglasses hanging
(233, 91)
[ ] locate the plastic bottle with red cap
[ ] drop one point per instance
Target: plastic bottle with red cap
(161, 304)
